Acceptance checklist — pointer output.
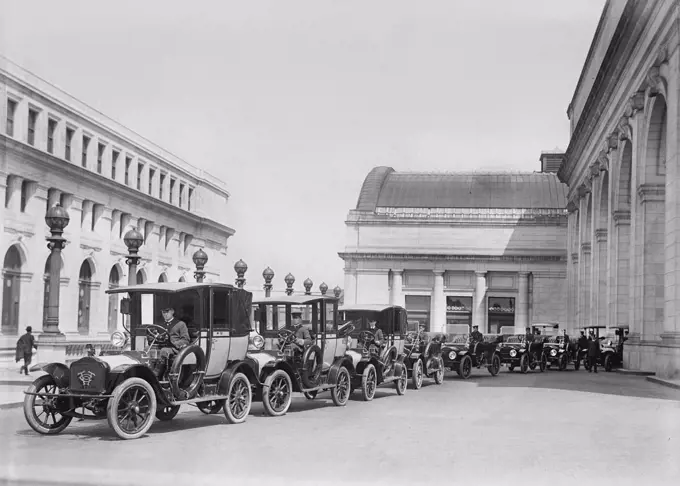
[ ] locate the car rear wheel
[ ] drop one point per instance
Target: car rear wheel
(417, 374)
(524, 363)
(369, 382)
(401, 384)
(277, 393)
(340, 393)
(167, 413)
(495, 365)
(439, 374)
(239, 399)
(132, 408)
(210, 407)
(563, 362)
(465, 367)
(608, 362)
(543, 364)
(43, 413)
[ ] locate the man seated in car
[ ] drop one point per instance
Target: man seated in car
(303, 337)
(377, 332)
(476, 337)
(178, 338)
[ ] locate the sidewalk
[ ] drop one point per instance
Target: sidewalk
(12, 386)
(664, 382)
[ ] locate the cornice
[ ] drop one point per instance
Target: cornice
(621, 218)
(601, 235)
(651, 192)
(440, 257)
(586, 247)
(574, 257)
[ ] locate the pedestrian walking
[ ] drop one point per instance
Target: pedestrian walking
(593, 353)
(25, 345)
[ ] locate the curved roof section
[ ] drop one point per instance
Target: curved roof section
(384, 187)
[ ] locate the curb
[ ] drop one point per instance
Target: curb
(634, 372)
(9, 406)
(15, 382)
(662, 382)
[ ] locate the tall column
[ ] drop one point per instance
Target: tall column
(601, 281)
(594, 273)
(479, 312)
(438, 320)
(619, 260)
(522, 316)
(397, 290)
(14, 190)
(350, 286)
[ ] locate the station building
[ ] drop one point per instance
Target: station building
(55, 149)
(623, 173)
(461, 249)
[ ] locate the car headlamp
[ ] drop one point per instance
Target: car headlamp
(513, 353)
(553, 352)
(256, 342)
(452, 355)
(118, 339)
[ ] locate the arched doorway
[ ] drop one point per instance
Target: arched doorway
(162, 278)
(114, 282)
(181, 279)
(140, 277)
(11, 291)
(84, 297)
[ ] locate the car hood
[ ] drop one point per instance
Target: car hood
(115, 360)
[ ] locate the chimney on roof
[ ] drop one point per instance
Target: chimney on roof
(551, 160)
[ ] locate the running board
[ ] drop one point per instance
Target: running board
(207, 398)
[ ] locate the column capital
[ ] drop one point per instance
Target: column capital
(621, 218)
(480, 273)
(585, 247)
(601, 235)
(397, 271)
(574, 257)
(439, 273)
(523, 274)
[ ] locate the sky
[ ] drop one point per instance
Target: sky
(292, 103)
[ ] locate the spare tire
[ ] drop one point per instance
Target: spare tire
(312, 364)
(185, 393)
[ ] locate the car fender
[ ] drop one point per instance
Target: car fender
(58, 371)
(335, 368)
(269, 368)
(123, 372)
(399, 366)
(231, 371)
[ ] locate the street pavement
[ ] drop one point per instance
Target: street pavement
(540, 428)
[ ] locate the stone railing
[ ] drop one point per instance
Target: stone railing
(464, 213)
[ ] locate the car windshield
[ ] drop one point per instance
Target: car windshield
(515, 339)
(186, 305)
(271, 318)
(554, 339)
(361, 319)
(457, 338)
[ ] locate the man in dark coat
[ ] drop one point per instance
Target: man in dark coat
(25, 345)
(476, 337)
(303, 337)
(593, 352)
(178, 336)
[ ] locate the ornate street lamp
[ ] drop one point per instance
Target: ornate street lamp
(240, 268)
(290, 280)
(308, 286)
(268, 275)
(133, 240)
(336, 291)
(57, 219)
(200, 258)
(323, 288)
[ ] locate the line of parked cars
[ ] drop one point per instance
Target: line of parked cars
(242, 351)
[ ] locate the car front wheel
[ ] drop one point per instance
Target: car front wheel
(465, 367)
(524, 363)
(132, 408)
(402, 382)
(439, 374)
(277, 393)
(495, 365)
(43, 413)
(417, 374)
(369, 382)
(608, 362)
(239, 399)
(340, 393)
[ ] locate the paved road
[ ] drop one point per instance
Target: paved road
(553, 428)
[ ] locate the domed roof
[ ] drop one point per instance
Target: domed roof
(383, 187)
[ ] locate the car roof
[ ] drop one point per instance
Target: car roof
(167, 287)
(546, 324)
(368, 307)
(299, 299)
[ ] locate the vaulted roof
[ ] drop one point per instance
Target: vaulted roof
(383, 187)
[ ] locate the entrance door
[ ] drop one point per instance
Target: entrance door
(219, 335)
(11, 291)
(330, 348)
(84, 297)
(114, 280)
(501, 315)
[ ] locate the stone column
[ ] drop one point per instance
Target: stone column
(14, 190)
(479, 306)
(397, 290)
(438, 320)
(350, 286)
(594, 273)
(601, 280)
(619, 261)
(522, 317)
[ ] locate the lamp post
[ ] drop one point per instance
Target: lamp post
(133, 240)
(57, 219)
(323, 288)
(336, 291)
(290, 280)
(200, 258)
(308, 286)
(240, 268)
(268, 275)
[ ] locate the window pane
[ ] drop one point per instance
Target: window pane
(220, 310)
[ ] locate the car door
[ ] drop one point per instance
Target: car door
(219, 338)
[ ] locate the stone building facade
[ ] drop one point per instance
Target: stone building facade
(459, 249)
(55, 149)
(623, 174)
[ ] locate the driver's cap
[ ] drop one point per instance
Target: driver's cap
(167, 308)
(296, 312)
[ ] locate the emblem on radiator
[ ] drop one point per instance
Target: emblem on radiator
(85, 378)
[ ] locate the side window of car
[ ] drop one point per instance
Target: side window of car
(331, 321)
(220, 310)
(403, 323)
(241, 304)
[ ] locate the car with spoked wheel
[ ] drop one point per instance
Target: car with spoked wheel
(460, 355)
(611, 349)
(320, 366)
(376, 363)
(515, 351)
(423, 358)
(124, 388)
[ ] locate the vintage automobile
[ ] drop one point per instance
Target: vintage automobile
(554, 349)
(514, 351)
(375, 365)
(321, 366)
(597, 331)
(423, 357)
(460, 356)
(611, 349)
(123, 387)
